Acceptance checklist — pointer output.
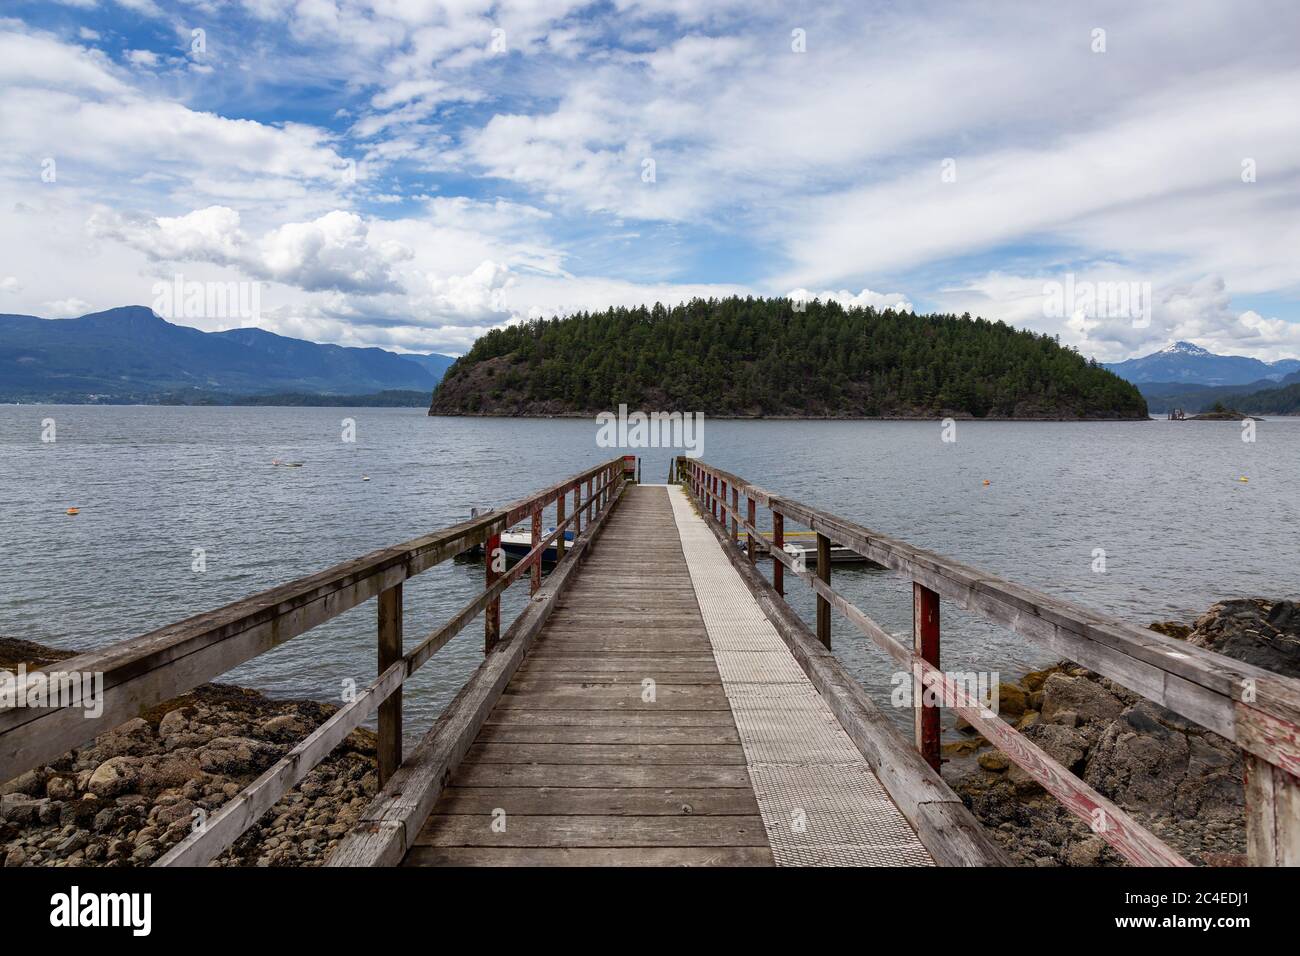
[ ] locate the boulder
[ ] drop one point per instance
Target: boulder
(1012, 700)
(1254, 630)
(113, 776)
(1086, 698)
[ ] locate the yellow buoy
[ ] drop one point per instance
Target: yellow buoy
(74, 511)
(1243, 478)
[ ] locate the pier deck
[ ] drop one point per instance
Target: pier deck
(617, 742)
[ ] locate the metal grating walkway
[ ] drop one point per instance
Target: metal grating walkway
(820, 802)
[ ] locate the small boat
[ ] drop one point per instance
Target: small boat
(518, 541)
(286, 464)
(804, 543)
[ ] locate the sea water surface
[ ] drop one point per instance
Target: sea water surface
(1162, 500)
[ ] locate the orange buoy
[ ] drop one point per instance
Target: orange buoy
(986, 481)
(74, 511)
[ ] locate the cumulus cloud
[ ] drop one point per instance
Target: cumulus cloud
(335, 251)
(10, 284)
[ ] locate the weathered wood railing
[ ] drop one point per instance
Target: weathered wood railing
(144, 671)
(1257, 709)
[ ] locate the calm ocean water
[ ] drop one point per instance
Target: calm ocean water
(1164, 500)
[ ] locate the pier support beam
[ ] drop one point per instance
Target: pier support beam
(492, 614)
(751, 516)
(535, 572)
(559, 522)
(925, 641)
(1272, 814)
(823, 605)
(778, 544)
(390, 711)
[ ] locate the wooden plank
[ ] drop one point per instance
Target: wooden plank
(608, 801)
(605, 754)
(670, 698)
(611, 718)
(594, 831)
(587, 734)
(590, 856)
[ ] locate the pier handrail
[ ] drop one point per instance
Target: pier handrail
(141, 672)
(1257, 709)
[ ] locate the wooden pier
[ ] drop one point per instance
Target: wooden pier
(657, 702)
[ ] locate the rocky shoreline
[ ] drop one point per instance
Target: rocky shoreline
(1181, 781)
(136, 791)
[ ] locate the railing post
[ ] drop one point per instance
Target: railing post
(590, 504)
(823, 605)
(492, 615)
(925, 641)
(559, 523)
(751, 515)
(1272, 814)
(735, 515)
(577, 510)
(535, 572)
(722, 503)
(778, 544)
(390, 711)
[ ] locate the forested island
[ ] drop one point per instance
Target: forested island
(766, 358)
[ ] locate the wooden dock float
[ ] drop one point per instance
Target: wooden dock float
(657, 701)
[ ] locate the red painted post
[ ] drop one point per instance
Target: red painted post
(722, 503)
(751, 515)
(390, 711)
(925, 641)
(823, 605)
(735, 516)
(778, 544)
(492, 620)
(536, 570)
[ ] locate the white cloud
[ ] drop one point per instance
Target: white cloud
(69, 308)
(865, 299)
(145, 58)
(335, 251)
(10, 284)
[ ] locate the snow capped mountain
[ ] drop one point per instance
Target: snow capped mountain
(1183, 348)
(1191, 364)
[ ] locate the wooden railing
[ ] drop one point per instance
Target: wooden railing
(144, 671)
(1257, 709)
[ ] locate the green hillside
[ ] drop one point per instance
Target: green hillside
(760, 358)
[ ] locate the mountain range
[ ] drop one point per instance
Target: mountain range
(130, 354)
(1194, 379)
(1191, 364)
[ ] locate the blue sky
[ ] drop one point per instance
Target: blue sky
(410, 173)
